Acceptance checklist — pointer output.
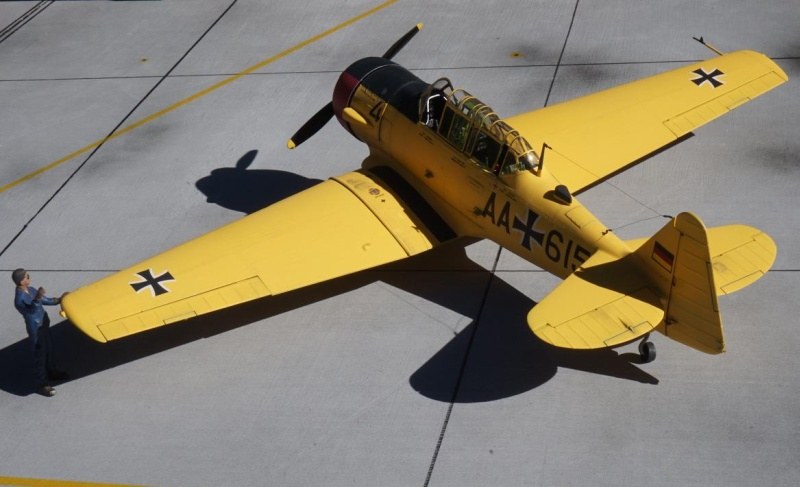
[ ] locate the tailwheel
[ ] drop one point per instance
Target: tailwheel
(647, 350)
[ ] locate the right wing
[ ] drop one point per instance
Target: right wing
(346, 224)
(596, 136)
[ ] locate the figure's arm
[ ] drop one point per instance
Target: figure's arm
(50, 301)
(40, 296)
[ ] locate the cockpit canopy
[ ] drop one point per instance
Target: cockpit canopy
(474, 129)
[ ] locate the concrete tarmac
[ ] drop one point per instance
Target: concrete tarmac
(130, 127)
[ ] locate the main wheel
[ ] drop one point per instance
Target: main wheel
(648, 351)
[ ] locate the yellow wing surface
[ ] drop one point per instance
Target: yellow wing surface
(343, 225)
(596, 136)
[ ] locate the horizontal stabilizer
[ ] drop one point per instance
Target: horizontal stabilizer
(605, 303)
(740, 255)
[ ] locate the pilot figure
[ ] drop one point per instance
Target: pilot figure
(29, 302)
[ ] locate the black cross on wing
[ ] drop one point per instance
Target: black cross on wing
(711, 78)
(148, 281)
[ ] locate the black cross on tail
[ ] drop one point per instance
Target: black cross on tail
(703, 77)
(153, 283)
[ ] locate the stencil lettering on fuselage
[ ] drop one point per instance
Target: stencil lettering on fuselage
(565, 252)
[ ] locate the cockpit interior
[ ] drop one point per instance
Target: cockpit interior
(474, 129)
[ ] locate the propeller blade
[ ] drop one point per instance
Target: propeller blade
(320, 118)
(312, 126)
(401, 43)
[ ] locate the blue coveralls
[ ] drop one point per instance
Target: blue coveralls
(38, 325)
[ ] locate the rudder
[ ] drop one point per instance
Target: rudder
(677, 260)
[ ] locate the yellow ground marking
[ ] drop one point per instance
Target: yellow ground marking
(20, 482)
(197, 95)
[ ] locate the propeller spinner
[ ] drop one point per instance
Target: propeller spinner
(322, 117)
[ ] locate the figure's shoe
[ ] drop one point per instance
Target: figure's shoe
(47, 391)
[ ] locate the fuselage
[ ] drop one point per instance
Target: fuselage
(469, 165)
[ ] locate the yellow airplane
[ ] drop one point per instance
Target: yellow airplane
(443, 165)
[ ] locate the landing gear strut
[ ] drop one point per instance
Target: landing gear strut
(647, 350)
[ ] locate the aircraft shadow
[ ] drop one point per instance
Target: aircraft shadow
(497, 355)
(82, 356)
(494, 357)
(249, 190)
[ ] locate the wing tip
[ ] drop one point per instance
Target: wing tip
(71, 312)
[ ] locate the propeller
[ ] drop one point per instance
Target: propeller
(311, 126)
(322, 117)
(401, 42)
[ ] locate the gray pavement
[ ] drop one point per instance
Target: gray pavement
(419, 373)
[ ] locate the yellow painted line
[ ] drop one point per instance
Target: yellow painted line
(197, 95)
(22, 482)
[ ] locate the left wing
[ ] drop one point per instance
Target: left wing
(340, 226)
(596, 136)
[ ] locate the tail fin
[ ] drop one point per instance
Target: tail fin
(691, 266)
(670, 283)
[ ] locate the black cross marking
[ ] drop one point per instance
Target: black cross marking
(704, 77)
(528, 231)
(154, 283)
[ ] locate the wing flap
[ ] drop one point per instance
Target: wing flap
(335, 228)
(595, 136)
(604, 304)
(387, 208)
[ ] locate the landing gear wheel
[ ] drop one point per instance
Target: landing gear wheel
(648, 351)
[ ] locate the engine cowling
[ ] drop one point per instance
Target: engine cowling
(373, 80)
